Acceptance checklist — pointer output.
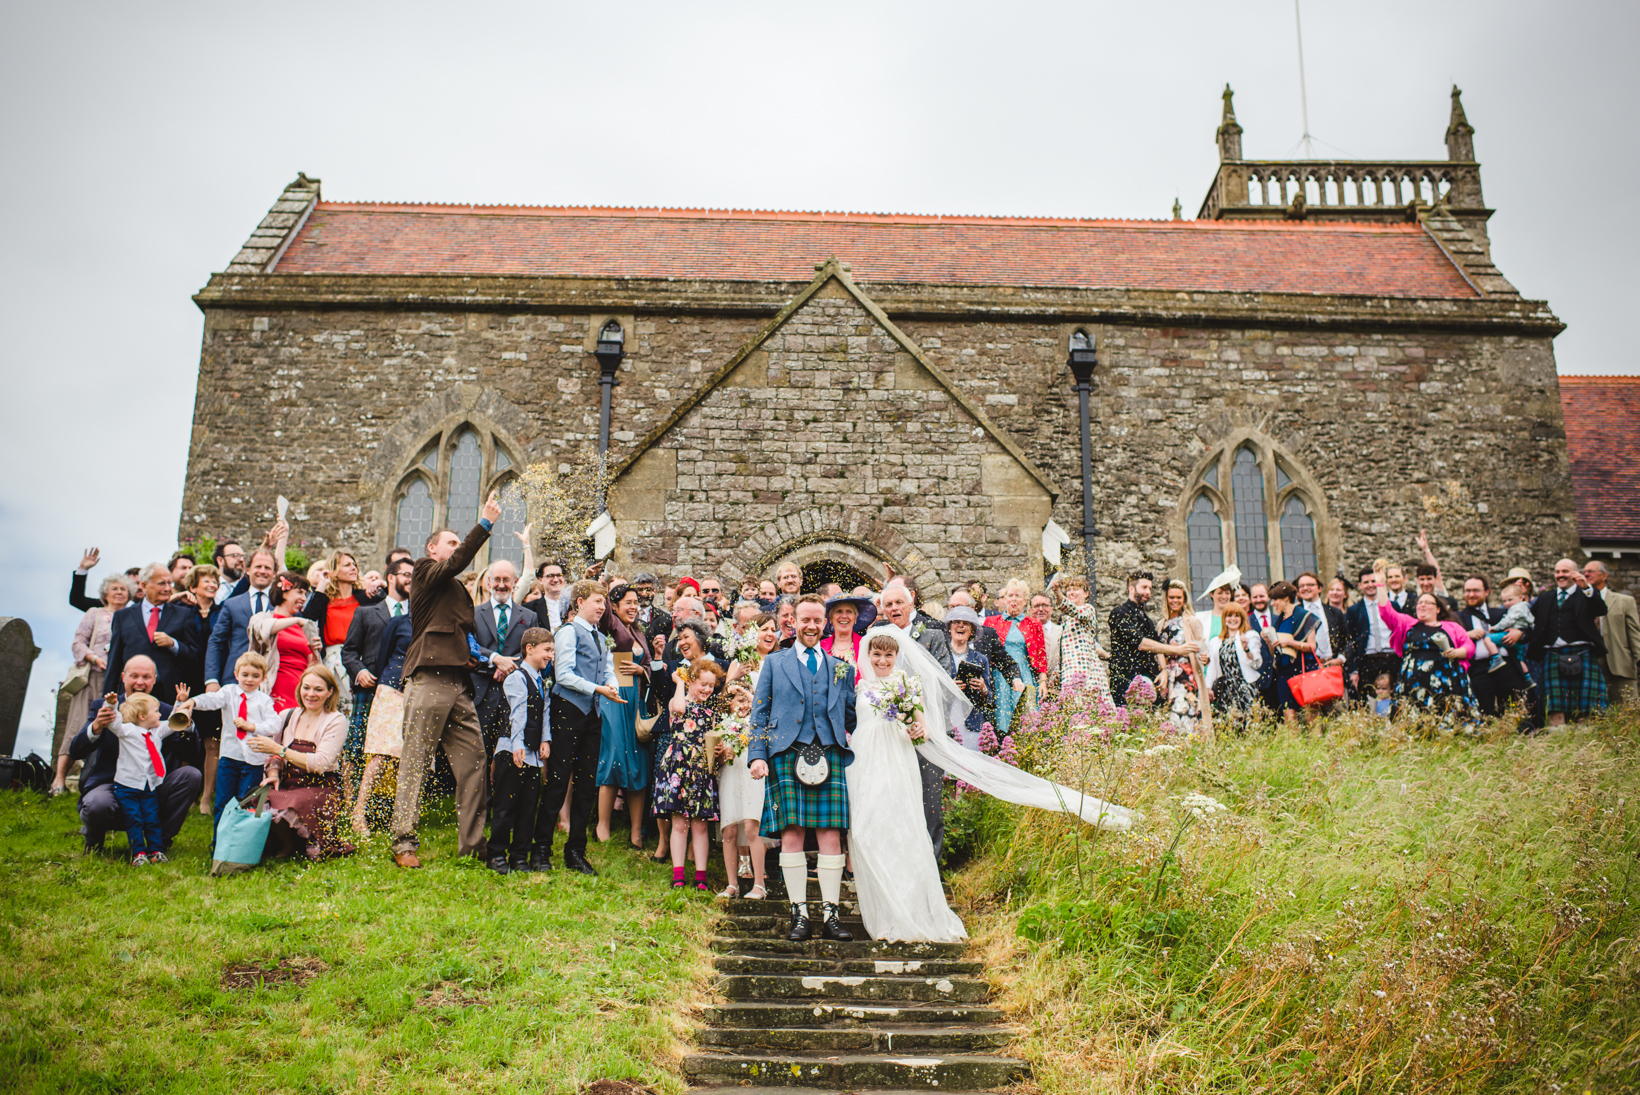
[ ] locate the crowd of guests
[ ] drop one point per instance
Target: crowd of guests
(566, 700)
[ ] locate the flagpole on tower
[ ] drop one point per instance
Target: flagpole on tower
(1303, 99)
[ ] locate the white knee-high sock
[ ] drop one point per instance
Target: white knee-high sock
(794, 868)
(831, 878)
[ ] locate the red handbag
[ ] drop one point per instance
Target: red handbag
(1318, 686)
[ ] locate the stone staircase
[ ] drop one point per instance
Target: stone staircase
(843, 1017)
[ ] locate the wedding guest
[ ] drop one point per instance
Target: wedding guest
(740, 797)
(688, 645)
(654, 619)
(1291, 640)
(1133, 638)
(1567, 637)
(789, 577)
(229, 560)
(362, 656)
(308, 800)
(1181, 684)
(1222, 590)
(199, 588)
(498, 624)
(331, 606)
(179, 566)
(583, 670)
(623, 761)
(438, 712)
(1491, 690)
(288, 641)
(1401, 598)
(1332, 635)
(1022, 637)
(1234, 658)
(785, 618)
(250, 712)
(767, 594)
(1373, 653)
(1081, 659)
(842, 614)
(90, 648)
(138, 729)
(549, 609)
(1338, 593)
(1620, 628)
(154, 627)
(99, 812)
(521, 753)
(1259, 615)
(230, 635)
(1435, 654)
(899, 607)
(1005, 672)
(973, 671)
(1052, 633)
(684, 787)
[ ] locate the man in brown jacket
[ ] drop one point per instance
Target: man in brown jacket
(438, 703)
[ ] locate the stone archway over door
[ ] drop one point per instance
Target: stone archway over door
(872, 565)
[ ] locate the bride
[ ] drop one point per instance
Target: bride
(898, 882)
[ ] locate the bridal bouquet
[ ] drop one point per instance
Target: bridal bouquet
(898, 698)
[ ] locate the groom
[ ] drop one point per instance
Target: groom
(804, 710)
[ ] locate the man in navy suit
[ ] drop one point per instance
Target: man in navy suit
(1370, 651)
(166, 633)
(229, 637)
(804, 707)
(100, 752)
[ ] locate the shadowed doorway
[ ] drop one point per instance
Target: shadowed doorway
(821, 571)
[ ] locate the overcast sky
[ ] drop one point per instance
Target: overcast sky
(147, 140)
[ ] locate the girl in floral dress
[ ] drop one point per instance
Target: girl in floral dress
(685, 787)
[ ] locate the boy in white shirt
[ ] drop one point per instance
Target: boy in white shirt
(138, 773)
(239, 771)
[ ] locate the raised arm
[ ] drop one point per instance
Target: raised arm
(1429, 558)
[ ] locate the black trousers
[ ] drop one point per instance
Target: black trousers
(517, 794)
(575, 741)
(933, 796)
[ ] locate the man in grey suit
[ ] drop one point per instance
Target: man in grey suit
(802, 715)
(498, 625)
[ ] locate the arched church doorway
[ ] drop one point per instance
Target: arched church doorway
(822, 571)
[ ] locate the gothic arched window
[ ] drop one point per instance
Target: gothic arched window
(446, 485)
(1264, 524)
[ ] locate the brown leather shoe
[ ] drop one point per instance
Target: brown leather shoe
(407, 859)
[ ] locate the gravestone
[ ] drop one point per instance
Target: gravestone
(17, 654)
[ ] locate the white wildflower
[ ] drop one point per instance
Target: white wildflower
(1159, 750)
(1203, 806)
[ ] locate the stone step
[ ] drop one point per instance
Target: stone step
(921, 1039)
(958, 1072)
(771, 1014)
(790, 963)
(766, 924)
(852, 987)
(818, 948)
(777, 904)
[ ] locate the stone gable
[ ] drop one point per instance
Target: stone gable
(829, 430)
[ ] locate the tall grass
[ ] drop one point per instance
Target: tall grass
(1373, 910)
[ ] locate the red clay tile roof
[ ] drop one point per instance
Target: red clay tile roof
(1359, 259)
(1603, 441)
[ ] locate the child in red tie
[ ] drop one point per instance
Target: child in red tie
(138, 773)
(247, 710)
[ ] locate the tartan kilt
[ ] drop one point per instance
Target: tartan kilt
(1574, 695)
(788, 801)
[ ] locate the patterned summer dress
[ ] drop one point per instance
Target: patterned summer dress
(684, 783)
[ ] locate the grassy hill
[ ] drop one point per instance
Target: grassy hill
(1370, 911)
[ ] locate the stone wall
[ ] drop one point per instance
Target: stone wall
(305, 401)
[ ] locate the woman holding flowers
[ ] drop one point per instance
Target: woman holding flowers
(898, 882)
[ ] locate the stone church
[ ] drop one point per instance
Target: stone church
(1323, 360)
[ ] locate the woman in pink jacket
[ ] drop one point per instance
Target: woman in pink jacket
(1435, 654)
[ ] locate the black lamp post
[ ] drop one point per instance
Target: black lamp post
(610, 350)
(1082, 363)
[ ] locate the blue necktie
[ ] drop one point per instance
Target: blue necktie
(1562, 601)
(814, 666)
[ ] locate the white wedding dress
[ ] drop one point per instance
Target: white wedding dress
(895, 874)
(898, 882)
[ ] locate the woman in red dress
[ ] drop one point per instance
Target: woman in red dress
(289, 642)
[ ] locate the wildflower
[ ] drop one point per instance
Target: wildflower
(1202, 806)
(1158, 750)
(988, 740)
(1141, 691)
